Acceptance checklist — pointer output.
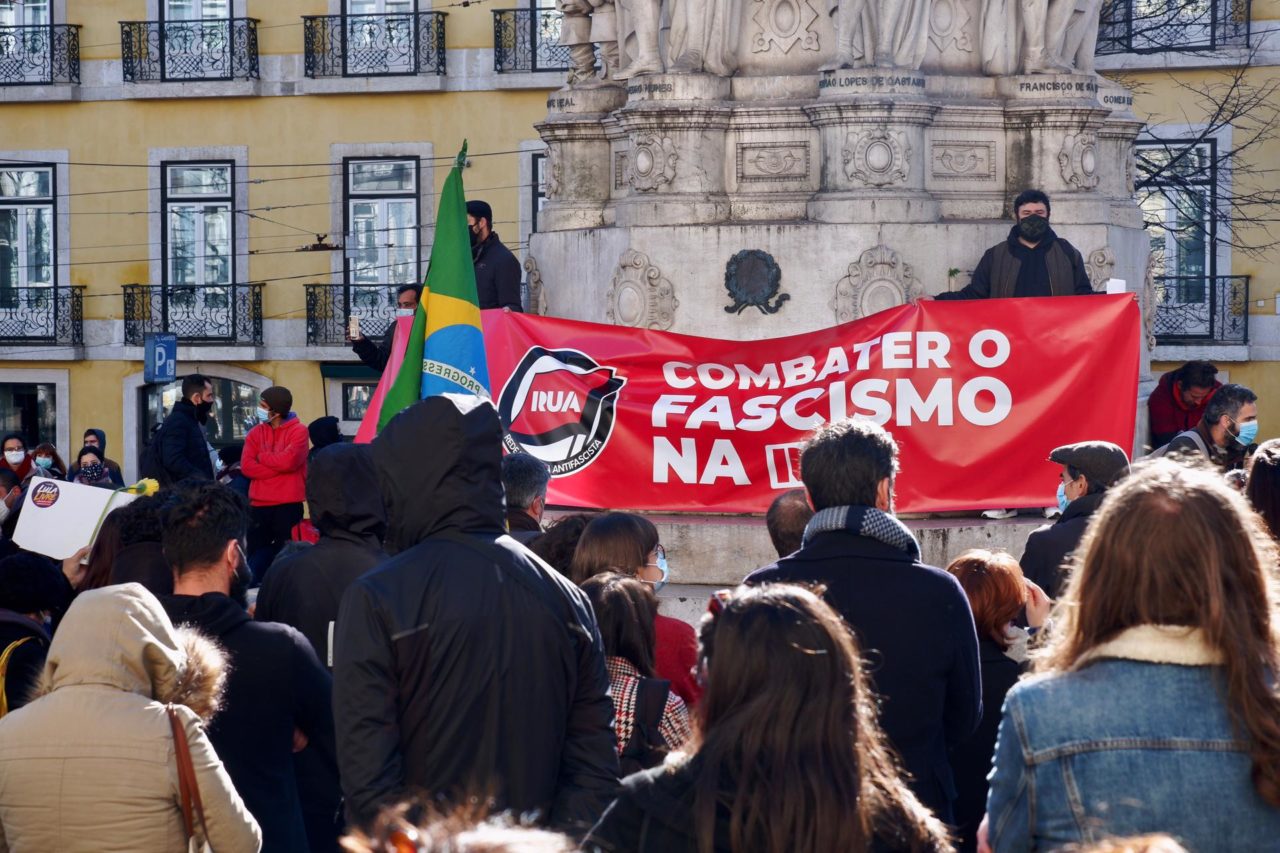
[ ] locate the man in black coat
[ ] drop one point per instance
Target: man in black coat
(497, 270)
(278, 696)
(464, 665)
(1033, 261)
(1089, 468)
(183, 445)
(912, 621)
(376, 356)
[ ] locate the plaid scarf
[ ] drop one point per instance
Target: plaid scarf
(864, 521)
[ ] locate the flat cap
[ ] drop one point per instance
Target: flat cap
(1102, 462)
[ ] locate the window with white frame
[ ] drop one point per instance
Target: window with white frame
(381, 221)
(1178, 193)
(199, 233)
(27, 244)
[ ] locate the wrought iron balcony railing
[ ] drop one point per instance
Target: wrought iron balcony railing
(40, 54)
(528, 40)
(329, 306)
(373, 45)
(1141, 26)
(226, 315)
(1202, 310)
(42, 315)
(183, 51)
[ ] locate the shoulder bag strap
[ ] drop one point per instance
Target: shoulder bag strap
(4, 671)
(188, 786)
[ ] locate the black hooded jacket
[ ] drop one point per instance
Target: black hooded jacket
(464, 664)
(305, 589)
(275, 685)
(113, 467)
(184, 447)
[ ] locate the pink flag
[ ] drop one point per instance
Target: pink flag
(369, 426)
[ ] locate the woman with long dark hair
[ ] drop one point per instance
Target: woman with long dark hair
(787, 756)
(1157, 708)
(1263, 488)
(629, 544)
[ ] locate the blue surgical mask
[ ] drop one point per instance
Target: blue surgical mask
(46, 462)
(662, 567)
(1248, 433)
(406, 312)
(1063, 503)
(264, 415)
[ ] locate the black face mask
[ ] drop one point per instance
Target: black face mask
(203, 409)
(1032, 228)
(475, 238)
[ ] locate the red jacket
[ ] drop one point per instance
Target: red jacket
(1169, 415)
(275, 461)
(675, 656)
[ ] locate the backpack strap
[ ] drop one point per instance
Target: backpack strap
(4, 670)
(651, 705)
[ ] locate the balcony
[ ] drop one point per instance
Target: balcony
(1200, 310)
(329, 306)
(228, 315)
(188, 51)
(42, 316)
(527, 40)
(39, 55)
(1133, 26)
(374, 45)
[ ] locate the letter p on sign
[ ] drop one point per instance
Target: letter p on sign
(161, 357)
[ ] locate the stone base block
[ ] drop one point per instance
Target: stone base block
(678, 87)
(589, 100)
(869, 206)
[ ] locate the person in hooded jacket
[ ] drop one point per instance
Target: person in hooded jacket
(31, 591)
(1033, 261)
(463, 665)
(304, 589)
(90, 764)
(98, 439)
(324, 432)
(275, 461)
(278, 694)
(183, 445)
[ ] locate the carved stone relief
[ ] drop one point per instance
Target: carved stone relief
(639, 296)
(784, 24)
(877, 157)
(553, 172)
(963, 161)
(621, 175)
(754, 280)
(948, 25)
(1130, 169)
(877, 281)
(653, 162)
(1149, 301)
(537, 295)
(1100, 265)
(1078, 160)
(763, 162)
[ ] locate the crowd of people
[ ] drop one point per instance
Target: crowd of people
(308, 643)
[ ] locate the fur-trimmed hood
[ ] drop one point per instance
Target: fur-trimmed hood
(121, 637)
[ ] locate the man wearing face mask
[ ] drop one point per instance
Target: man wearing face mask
(275, 461)
(1033, 261)
(377, 355)
(184, 447)
(1225, 433)
(278, 695)
(1089, 468)
(497, 270)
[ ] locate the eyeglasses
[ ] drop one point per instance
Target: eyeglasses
(661, 555)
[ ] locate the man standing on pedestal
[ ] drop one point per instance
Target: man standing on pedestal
(497, 270)
(1033, 261)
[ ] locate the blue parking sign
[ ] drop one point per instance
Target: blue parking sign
(161, 357)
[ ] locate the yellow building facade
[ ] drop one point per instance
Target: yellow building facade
(247, 174)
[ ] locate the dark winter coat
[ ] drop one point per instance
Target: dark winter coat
(305, 589)
(26, 660)
(1049, 546)
(522, 527)
(498, 275)
(464, 663)
(184, 448)
(971, 759)
(375, 355)
(275, 685)
(996, 275)
(915, 630)
(654, 814)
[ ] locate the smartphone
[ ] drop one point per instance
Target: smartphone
(353, 327)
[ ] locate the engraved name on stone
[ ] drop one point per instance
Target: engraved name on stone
(650, 89)
(1067, 86)
(560, 104)
(870, 82)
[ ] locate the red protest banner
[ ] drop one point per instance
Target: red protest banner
(976, 394)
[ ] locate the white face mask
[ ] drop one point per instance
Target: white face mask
(406, 312)
(15, 457)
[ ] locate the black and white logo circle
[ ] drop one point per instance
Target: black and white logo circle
(558, 405)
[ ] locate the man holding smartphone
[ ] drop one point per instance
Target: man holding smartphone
(377, 355)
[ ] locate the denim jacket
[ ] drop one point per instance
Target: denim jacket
(1136, 739)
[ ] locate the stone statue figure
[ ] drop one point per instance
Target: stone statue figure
(885, 33)
(638, 26)
(587, 23)
(1039, 36)
(704, 36)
